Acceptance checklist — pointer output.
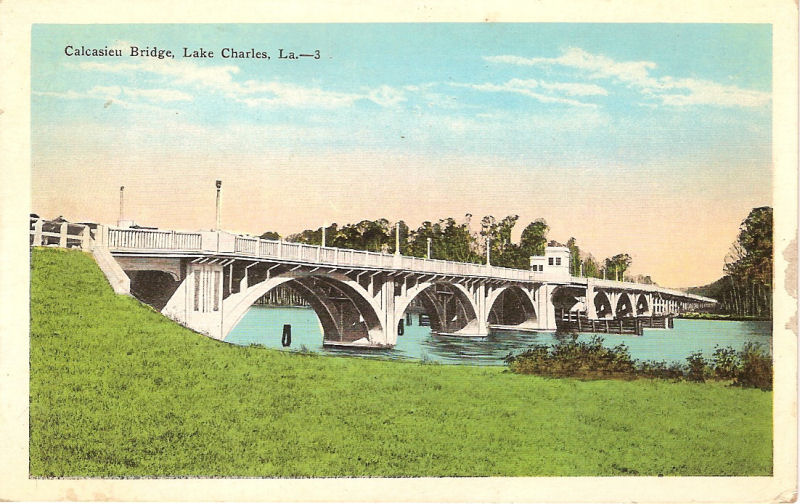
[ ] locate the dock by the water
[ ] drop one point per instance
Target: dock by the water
(580, 322)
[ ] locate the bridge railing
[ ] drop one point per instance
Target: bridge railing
(60, 234)
(632, 286)
(83, 235)
(151, 239)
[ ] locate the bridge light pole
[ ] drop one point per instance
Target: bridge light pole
(397, 239)
(121, 204)
(219, 201)
(488, 251)
(323, 234)
(429, 248)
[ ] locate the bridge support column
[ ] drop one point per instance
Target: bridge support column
(481, 303)
(545, 309)
(591, 309)
(197, 302)
(388, 317)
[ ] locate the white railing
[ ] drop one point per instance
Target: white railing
(60, 234)
(67, 234)
(151, 239)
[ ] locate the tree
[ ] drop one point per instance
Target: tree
(574, 257)
(270, 235)
(534, 237)
(591, 268)
(748, 266)
(616, 266)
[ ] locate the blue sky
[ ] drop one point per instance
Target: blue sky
(595, 127)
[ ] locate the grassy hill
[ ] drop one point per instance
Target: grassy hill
(118, 390)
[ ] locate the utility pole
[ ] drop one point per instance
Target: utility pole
(219, 203)
(121, 204)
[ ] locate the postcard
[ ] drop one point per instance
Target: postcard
(340, 252)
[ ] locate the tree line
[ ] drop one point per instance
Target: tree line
(745, 289)
(452, 240)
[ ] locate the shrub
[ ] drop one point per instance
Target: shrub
(752, 367)
(570, 357)
(659, 369)
(725, 362)
(756, 367)
(697, 367)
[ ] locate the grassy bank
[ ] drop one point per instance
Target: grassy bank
(118, 390)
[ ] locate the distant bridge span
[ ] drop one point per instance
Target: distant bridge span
(208, 280)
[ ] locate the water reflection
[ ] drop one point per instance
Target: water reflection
(263, 325)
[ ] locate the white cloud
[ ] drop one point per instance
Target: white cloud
(524, 87)
(121, 96)
(575, 88)
(637, 75)
(161, 95)
(253, 93)
(386, 96)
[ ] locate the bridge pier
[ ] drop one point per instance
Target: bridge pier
(197, 302)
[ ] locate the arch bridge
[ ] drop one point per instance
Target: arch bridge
(208, 280)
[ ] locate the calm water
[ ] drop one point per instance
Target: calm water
(264, 325)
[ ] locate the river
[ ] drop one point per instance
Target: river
(264, 325)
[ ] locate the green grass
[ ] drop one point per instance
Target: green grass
(118, 390)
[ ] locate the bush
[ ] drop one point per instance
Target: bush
(756, 367)
(725, 362)
(659, 369)
(752, 367)
(570, 357)
(697, 367)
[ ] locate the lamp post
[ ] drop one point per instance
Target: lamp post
(429, 248)
(219, 203)
(323, 234)
(488, 251)
(121, 204)
(397, 239)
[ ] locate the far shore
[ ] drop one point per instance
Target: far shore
(721, 316)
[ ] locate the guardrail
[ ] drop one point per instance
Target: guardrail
(153, 239)
(221, 242)
(65, 234)
(60, 234)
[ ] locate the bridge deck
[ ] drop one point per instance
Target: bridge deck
(221, 244)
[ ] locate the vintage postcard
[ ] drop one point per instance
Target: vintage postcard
(340, 252)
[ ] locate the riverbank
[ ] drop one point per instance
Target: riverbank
(118, 390)
(721, 316)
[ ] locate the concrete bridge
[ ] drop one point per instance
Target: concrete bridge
(208, 280)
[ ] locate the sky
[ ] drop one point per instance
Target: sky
(648, 139)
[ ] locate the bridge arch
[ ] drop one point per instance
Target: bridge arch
(625, 305)
(641, 306)
(446, 315)
(511, 306)
(344, 308)
(602, 304)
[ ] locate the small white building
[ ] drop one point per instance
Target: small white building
(553, 264)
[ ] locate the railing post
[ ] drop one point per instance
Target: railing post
(86, 240)
(37, 233)
(319, 253)
(280, 248)
(172, 240)
(62, 239)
